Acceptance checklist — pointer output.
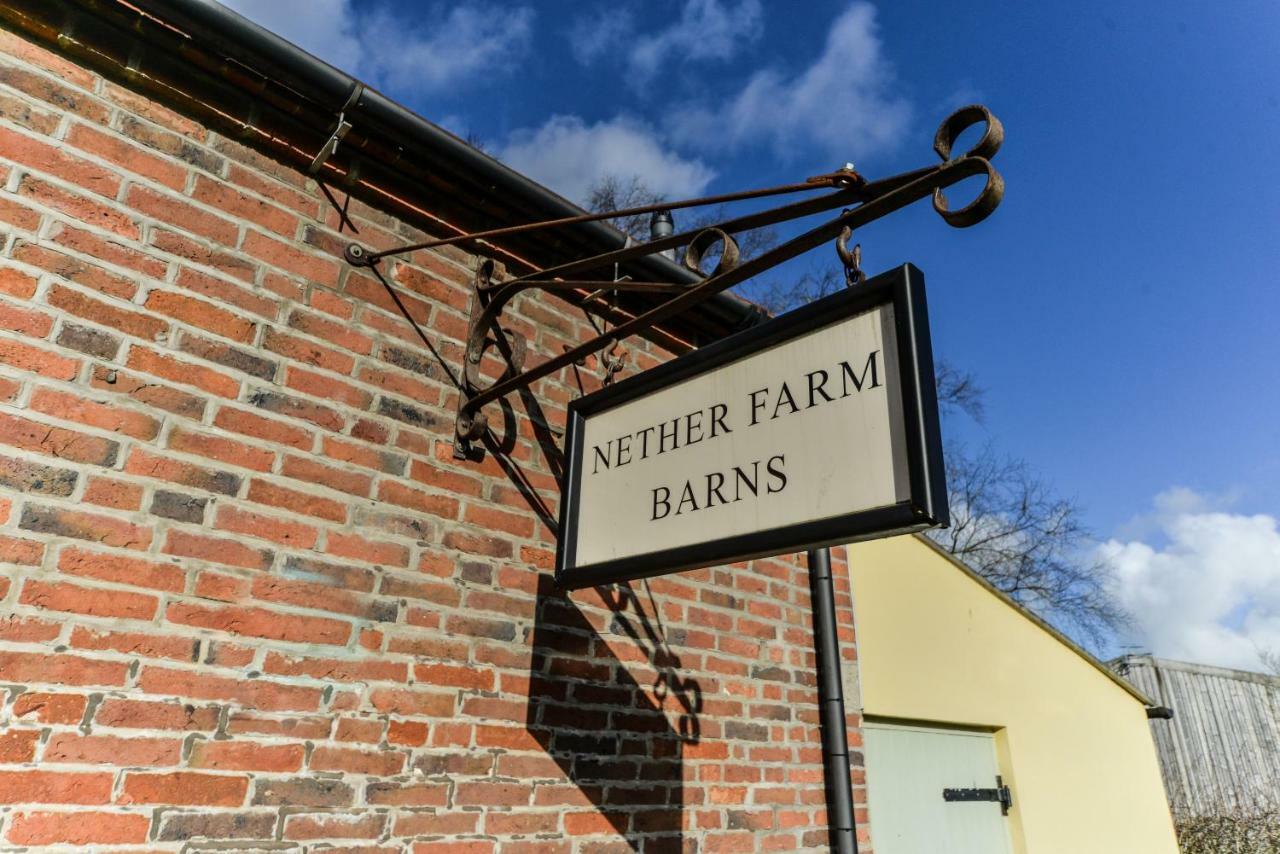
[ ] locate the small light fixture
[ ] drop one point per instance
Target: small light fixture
(661, 224)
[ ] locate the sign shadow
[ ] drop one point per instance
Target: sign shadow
(617, 735)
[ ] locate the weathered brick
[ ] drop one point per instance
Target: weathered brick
(77, 270)
(149, 464)
(201, 314)
(104, 416)
(141, 644)
(223, 450)
(328, 826)
(183, 826)
(246, 756)
(302, 792)
(171, 209)
(79, 207)
(293, 407)
(184, 787)
(289, 258)
(21, 356)
(18, 746)
(261, 622)
(129, 157)
(91, 342)
(148, 392)
(218, 194)
(217, 550)
(134, 323)
(54, 160)
(107, 530)
(253, 693)
(181, 371)
(179, 507)
(42, 707)
(73, 747)
(275, 495)
(155, 715)
(93, 601)
(294, 535)
(26, 476)
(107, 250)
(226, 355)
(58, 669)
(55, 787)
(27, 322)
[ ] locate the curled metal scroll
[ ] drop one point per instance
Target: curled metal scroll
(978, 158)
(859, 200)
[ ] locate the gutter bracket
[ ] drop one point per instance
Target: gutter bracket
(327, 151)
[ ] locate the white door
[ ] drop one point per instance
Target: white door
(907, 770)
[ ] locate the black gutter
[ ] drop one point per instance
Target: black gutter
(216, 27)
(831, 714)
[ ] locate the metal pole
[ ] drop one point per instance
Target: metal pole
(835, 741)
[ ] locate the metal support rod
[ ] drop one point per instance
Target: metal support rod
(831, 718)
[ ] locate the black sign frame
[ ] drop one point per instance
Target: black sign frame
(926, 506)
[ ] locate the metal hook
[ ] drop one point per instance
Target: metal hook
(852, 260)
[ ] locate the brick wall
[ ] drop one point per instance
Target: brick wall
(251, 601)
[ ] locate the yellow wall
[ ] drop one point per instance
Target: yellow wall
(935, 645)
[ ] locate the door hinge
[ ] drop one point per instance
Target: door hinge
(1000, 794)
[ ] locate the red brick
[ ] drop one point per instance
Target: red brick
(302, 468)
(380, 763)
(132, 323)
(55, 161)
(146, 391)
(216, 550)
(24, 357)
(201, 314)
(28, 629)
(520, 525)
(346, 670)
(287, 257)
(25, 321)
(71, 407)
(16, 283)
(263, 492)
(59, 669)
(439, 505)
(333, 826)
(81, 749)
(197, 250)
(127, 156)
(181, 371)
(147, 464)
(56, 441)
(332, 331)
(274, 190)
(301, 350)
(55, 787)
(172, 210)
(225, 292)
(410, 703)
(135, 643)
(18, 745)
(93, 601)
(50, 708)
(76, 270)
(456, 676)
(184, 787)
(224, 450)
(19, 551)
(155, 715)
(218, 194)
(328, 388)
(149, 109)
(246, 756)
(290, 534)
(80, 208)
(370, 551)
(267, 429)
(117, 494)
(409, 733)
(262, 623)
(107, 530)
(78, 828)
(223, 588)
(362, 455)
(108, 250)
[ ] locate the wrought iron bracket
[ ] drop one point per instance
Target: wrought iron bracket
(860, 202)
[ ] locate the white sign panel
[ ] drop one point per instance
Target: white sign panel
(816, 428)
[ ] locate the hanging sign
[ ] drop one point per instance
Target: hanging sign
(817, 428)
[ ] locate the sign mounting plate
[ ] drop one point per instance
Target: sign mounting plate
(817, 428)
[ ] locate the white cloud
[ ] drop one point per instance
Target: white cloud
(706, 30)
(844, 103)
(569, 155)
(425, 53)
(1209, 589)
(600, 32)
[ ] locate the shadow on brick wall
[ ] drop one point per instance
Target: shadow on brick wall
(620, 741)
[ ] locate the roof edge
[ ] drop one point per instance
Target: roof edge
(1089, 657)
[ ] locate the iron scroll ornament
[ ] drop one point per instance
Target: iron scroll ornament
(859, 200)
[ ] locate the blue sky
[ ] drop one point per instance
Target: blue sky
(1120, 307)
